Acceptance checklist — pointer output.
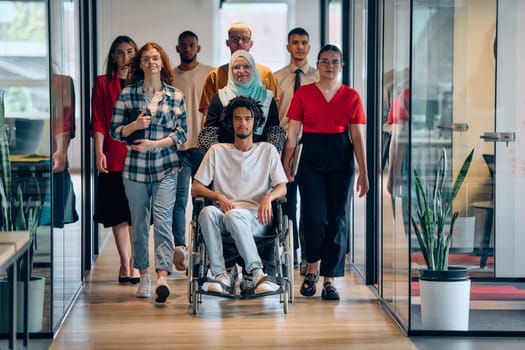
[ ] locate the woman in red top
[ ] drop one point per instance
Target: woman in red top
(111, 204)
(330, 115)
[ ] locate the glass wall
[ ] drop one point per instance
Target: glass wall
(24, 81)
(349, 19)
(452, 82)
(358, 80)
(395, 156)
(66, 133)
(39, 75)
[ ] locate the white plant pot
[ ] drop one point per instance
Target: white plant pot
(36, 290)
(445, 304)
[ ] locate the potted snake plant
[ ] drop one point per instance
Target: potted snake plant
(19, 214)
(445, 290)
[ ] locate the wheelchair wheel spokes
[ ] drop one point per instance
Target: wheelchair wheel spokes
(193, 246)
(190, 280)
(277, 259)
(285, 296)
(195, 296)
(289, 249)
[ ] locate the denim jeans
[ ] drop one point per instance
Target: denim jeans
(145, 199)
(242, 225)
(191, 159)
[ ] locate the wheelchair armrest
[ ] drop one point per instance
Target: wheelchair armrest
(277, 207)
(280, 200)
(198, 204)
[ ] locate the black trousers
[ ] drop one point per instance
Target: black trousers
(325, 180)
(290, 209)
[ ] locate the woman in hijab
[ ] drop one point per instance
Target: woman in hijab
(243, 80)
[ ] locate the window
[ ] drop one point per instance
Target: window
(269, 23)
(23, 59)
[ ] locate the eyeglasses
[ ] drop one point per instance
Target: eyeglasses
(237, 39)
(327, 62)
(238, 118)
(242, 67)
(146, 59)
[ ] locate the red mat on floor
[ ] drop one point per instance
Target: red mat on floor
(456, 259)
(506, 292)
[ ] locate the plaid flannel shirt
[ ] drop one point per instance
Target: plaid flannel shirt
(170, 120)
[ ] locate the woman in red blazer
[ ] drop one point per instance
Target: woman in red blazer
(111, 204)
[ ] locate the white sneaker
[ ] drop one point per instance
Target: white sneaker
(144, 289)
(162, 290)
(263, 285)
(235, 273)
(180, 258)
(220, 284)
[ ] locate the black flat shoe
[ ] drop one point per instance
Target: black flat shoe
(308, 287)
(329, 292)
(123, 280)
(134, 280)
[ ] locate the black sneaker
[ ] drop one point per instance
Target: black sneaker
(329, 292)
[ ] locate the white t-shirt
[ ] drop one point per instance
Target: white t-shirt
(243, 177)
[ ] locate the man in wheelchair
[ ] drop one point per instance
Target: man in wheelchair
(245, 178)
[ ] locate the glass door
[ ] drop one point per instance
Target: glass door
(507, 141)
(466, 92)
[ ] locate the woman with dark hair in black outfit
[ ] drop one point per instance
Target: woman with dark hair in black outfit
(111, 203)
(330, 115)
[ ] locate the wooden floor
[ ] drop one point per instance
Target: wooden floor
(109, 316)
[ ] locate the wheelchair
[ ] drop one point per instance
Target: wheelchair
(275, 249)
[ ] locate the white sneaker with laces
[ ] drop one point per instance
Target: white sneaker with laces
(235, 273)
(220, 284)
(162, 290)
(180, 258)
(263, 285)
(144, 289)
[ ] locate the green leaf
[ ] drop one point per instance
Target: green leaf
(433, 210)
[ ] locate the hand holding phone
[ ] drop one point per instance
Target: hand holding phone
(137, 115)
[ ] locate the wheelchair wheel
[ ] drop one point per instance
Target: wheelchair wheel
(190, 284)
(192, 262)
(286, 288)
(289, 261)
(194, 296)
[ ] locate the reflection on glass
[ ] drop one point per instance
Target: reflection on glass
(395, 157)
(24, 78)
(65, 153)
(358, 205)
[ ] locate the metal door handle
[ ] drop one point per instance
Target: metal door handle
(499, 137)
(454, 126)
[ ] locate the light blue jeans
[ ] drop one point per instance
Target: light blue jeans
(242, 225)
(191, 159)
(155, 198)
